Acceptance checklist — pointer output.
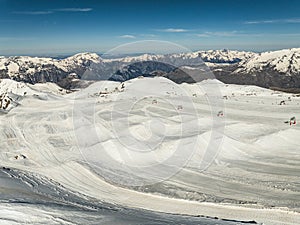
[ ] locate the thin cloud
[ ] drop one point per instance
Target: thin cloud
(229, 34)
(46, 12)
(243, 34)
(218, 34)
(260, 22)
(33, 12)
(128, 36)
(291, 20)
(174, 30)
(74, 10)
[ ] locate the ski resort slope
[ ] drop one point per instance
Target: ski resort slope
(143, 145)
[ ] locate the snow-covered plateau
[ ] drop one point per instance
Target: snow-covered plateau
(148, 151)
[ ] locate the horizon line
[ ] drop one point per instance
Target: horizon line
(71, 53)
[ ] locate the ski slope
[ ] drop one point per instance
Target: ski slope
(150, 144)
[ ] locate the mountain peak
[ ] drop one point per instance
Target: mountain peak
(283, 61)
(85, 56)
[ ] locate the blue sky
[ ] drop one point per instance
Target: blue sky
(37, 27)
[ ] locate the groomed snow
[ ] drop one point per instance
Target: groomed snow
(255, 175)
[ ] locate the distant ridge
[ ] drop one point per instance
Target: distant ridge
(279, 69)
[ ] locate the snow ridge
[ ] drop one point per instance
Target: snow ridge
(284, 61)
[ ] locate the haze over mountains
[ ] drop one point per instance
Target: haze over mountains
(280, 69)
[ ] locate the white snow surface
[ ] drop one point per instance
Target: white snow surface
(255, 176)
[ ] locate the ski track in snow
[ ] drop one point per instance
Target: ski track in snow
(255, 176)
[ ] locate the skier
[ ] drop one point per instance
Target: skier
(220, 114)
(293, 121)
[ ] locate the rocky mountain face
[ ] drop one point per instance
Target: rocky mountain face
(277, 69)
(280, 69)
(39, 70)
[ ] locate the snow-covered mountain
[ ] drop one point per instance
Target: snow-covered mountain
(168, 65)
(40, 70)
(269, 69)
(211, 56)
(285, 61)
(11, 92)
(278, 69)
(91, 66)
(225, 56)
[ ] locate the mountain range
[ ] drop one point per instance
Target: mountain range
(275, 69)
